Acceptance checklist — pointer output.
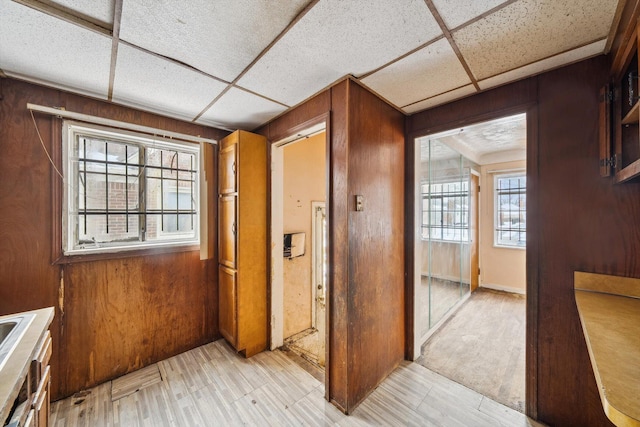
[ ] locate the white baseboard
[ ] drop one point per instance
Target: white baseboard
(503, 288)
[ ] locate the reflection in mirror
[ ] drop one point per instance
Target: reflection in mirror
(444, 230)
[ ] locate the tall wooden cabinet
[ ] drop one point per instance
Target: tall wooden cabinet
(242, 237)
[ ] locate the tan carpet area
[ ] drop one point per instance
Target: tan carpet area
(482, 346)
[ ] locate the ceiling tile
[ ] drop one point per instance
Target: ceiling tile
(337, 38)
(155, 84)
(456, 12)
(423, 74)
(100, 10)
(219, 37)
(557, 61)
(239, 109)
(530, 30)
(440, 99)
(39, 47)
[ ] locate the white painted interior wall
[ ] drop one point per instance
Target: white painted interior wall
(304, 182)
(500, 268)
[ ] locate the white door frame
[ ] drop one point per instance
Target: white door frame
(277, 231)
(277, 246)
(417, 251)
(315, 206)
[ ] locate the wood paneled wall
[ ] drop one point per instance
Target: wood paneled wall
(366, 249)
(576, 221)
(112, 316)
(376, 283)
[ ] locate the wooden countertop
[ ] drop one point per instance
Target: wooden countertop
(15, 369)
(609, 308)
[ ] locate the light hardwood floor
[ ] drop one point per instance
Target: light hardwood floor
(212, 385)
(482, 346)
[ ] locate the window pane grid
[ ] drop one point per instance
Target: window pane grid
(113, 199)
(445, 211)
(173, 183)
(511, 208)
(101, 171)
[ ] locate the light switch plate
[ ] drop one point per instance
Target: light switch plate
(359, 203)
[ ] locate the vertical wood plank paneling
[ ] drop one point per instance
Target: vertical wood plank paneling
(113, 316)
(27, 281)
(532, 270)
(124, 314)
(366, 286)
(585, 223)
(338, 247)
(375, 297)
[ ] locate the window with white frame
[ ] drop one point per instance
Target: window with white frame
(127, 191)
(445, 211)
(510, 210)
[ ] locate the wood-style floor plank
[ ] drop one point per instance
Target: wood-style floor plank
(212, 385)
(87, 408)
(129, 384)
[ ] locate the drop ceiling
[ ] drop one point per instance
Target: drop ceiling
(240, 63)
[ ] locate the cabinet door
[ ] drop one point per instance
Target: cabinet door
(227, 168)
(227, 208)
(31, 419)
(227, 301)
(41, 399)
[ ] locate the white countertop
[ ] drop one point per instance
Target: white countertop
(14, 371)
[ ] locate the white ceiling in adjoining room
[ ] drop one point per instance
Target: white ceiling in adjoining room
(239, 63)
(500, 140)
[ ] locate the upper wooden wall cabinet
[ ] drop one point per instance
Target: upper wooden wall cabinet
(242, 241)
(619, 117)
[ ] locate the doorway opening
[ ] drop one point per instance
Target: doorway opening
(470, 269)
(299, 247)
